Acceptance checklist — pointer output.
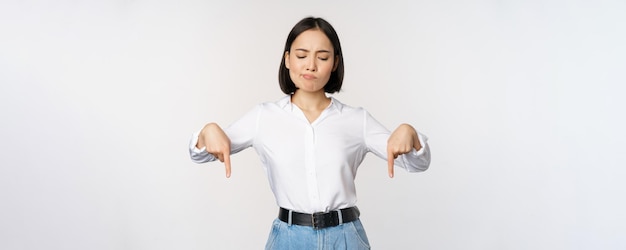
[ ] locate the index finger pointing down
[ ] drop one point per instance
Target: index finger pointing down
(390, 159)
(227, 163)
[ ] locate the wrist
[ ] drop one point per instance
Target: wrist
(416, 142)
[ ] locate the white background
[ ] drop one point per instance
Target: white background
(523, 102)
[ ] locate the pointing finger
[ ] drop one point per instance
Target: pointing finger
(390, 158)
(227, 163)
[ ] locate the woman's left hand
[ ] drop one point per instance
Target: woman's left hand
(401, 141)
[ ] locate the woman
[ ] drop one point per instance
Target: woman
(311, 145)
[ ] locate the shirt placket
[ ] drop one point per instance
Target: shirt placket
(311, 172)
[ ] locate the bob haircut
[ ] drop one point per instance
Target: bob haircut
(336, 77)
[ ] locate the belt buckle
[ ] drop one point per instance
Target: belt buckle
(315, 220)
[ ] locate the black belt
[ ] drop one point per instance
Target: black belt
(320, 220)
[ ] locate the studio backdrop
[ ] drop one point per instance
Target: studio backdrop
(522, 101)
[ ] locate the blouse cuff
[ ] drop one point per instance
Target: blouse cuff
(193, 142)
(198, 155)
(422, 139)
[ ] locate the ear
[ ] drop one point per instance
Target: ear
(287, 59)
(336, 63)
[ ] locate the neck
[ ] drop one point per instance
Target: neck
(310, 100)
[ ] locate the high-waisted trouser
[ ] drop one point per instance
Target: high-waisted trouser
(349, 235)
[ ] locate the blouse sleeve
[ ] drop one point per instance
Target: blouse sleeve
(241, 134)
(376, 136)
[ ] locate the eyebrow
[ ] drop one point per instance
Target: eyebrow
(319, 51)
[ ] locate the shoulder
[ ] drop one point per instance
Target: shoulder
(272, 107)
(347, 109)
(280, 103)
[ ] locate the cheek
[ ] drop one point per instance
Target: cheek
(327, 68)
(293, 65)
(293, 74)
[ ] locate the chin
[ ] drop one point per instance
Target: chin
(310, 88)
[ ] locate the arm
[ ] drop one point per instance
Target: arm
(213, 143)
(405, 147)
(199, 154)
(411, 146)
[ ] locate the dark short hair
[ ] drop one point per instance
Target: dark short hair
(309, 23)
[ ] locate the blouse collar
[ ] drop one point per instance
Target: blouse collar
(285, 103)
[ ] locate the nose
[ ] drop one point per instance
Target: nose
(311, 66)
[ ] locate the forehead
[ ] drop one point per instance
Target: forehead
(312, 40)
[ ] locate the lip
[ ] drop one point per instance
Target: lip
(309, 77)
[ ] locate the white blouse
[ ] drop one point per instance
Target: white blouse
(311, 166)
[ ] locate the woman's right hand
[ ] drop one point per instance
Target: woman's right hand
(217, 143)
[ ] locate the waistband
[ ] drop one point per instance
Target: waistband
(319, 220)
